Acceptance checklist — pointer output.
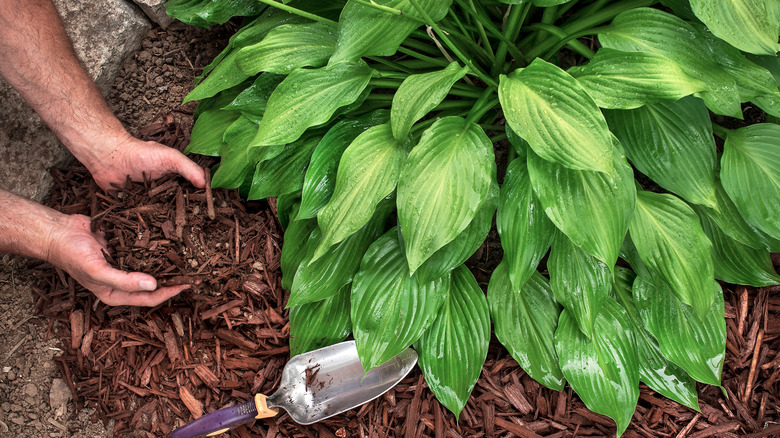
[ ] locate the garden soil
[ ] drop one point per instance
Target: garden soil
(72, 367)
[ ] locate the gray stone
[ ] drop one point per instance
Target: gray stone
(31, 390)
(104, 33)
(155, 10)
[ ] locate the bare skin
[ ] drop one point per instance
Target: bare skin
(37, 59)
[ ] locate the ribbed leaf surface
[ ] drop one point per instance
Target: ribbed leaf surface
(525, 320)
(317, 325)
(453, 350)
(749, 25)
(390, 308)
(444, 181)
(555, 114)
(671, 243)
(289, 47)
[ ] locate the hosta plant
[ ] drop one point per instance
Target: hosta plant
(629, 186)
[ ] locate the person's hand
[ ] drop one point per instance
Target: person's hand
(135, 158)
(77, 250)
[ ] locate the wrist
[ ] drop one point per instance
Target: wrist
(28, 228)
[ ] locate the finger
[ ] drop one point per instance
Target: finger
(141, 298)
(119, 280)
(187, 168)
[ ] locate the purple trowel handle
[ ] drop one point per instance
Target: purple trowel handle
(218, 421)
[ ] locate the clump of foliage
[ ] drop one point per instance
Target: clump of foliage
(375, 125)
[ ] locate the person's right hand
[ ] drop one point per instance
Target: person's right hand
(76, 249)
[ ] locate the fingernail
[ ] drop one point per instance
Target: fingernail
(149, 285)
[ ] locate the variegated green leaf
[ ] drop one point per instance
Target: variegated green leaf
(696, 344)
(252, 101)
(296, 238)
(419, 94)
(672, 143)
(655, 31)
(750, 173)
(655, 370)
(324, 277)
(366, 31)
(320, 177)
(284, 172)
(626, 80)
(737, 263)
(671, 243)
(390, 308)
(525, 321)
(289, 47)
(444, 181)
(462, 247)
(604, 370)
(307, 98)
(749, 25)
(526, 232)
(580, 282)
(317, 325)
(367, 173)
(592, 208)
(555, 114)
(453, 350)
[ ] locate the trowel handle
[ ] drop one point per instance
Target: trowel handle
(222, 420)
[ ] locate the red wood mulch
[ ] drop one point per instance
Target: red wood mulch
(151, 370)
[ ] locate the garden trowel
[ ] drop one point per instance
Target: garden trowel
(314, 386)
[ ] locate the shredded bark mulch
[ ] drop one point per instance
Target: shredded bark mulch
(149, 371)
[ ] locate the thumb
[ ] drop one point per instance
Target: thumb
(187, 168)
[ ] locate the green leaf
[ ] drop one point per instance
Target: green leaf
(525, 320)
(322, 278)
(592, 208)
(208, 130)
(737, 263)
(204, 13)
(580, 282)
(284, 172)
(671, 243)
(627, 80)
(526, 232)
(367, 31)
(462, 247)
(419, 94)
(444, 181)
(368, 171)
(238, 161)
(289, 47)
(252, 101)
(317, 325)
(296, 237)
(750, 174)
(730, 221)
(222, 77)
(310, 97)
(390, 308)
(574, 134)
(672, 143)
(750, 25)
(285, 204)
(320, 180)
(694, 343)
(655, 31)
(655, 370)
(454, 348)
(604, 371)
(770, 104)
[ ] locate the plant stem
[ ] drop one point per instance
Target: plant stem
(300, 13)
(484, 77)
(420, 56)
(498, 137)
(516, 17)
(482, 34)
(482, 106)
(586, 22)
(570, 40)
(548, 17)
(494, 31)
(385, 83)
(720, 131)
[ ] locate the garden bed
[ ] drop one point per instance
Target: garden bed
(147, 371)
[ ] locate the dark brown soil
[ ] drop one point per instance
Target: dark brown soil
(147, 371)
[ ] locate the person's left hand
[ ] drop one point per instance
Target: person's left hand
(135, 158)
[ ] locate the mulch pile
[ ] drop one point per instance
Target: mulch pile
(150, 370)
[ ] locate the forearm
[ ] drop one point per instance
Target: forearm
(37, 59)
(27, 228)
